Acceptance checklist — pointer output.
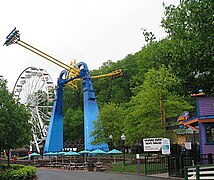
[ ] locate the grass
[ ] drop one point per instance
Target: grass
(130, 168)
(119, 167)
(154, 167)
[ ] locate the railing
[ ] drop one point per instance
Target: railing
(156, 164)
(207, 158)
(199, 172)
(178, 162)
(174, 164)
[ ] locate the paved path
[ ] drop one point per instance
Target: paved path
(53, 174)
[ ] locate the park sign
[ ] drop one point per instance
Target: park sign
(184, 131)
(152, 144)
(165, 146)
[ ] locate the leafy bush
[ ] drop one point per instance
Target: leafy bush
(3, 167)
(17, 172)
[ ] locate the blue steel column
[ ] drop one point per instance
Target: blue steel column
(91, 113)
(54, 139)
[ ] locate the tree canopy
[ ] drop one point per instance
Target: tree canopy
(15, 128)
(191, 30)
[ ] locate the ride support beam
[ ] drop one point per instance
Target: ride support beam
(48, 57)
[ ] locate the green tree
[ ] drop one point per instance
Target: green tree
(191, 29)
(115, 90)
(73, 98)
(73, 124)
(15, 129)
(110, 121)
(146, 112)
(73, 113)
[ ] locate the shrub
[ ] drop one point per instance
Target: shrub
(17, 172)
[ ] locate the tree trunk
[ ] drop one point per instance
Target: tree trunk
(8, 157)
(0, 153)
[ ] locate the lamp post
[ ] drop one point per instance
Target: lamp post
(123, 138)
(111, 138)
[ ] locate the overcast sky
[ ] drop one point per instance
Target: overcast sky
(92, 31)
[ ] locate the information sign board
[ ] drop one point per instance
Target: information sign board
(152, 144)
(165, 146)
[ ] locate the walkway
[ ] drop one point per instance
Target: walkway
(53, 174)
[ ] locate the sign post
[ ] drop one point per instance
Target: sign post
(138, 163)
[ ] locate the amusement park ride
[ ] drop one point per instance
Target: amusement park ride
(71, 73)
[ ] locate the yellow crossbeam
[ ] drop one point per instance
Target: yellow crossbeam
(48, 57)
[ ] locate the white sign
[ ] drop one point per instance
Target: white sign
(152, 144)
(137, 156)
(188, 145)
(165, 146)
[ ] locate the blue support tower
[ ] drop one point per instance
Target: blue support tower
(91, 111)
(54, 139)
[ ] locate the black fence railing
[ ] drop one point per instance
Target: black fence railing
(174, 164)
(156, 164)
(177, 163)
(206, 159)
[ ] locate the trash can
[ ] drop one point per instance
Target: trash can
(90, 167)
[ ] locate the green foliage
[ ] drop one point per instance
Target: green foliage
(149, 36)
(153, 56)
(115, 90)
(17, 172)
(143, 118)
(175, 105)
(15, 129)
(190, 26)
(73, 113)
(73, 98)
(110, 121)
(162, 79)
(73, 124)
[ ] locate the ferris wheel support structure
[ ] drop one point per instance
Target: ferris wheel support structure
(35, 89)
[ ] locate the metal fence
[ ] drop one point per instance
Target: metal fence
(174, 164)
(177, 163)
(156, 164)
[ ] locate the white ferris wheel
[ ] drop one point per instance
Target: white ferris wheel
(35, 89)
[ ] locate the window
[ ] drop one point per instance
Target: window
(210, 133)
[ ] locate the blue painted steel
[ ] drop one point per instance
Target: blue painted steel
(54, 139)
(91, 111)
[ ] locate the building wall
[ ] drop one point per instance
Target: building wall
(205, 148)
(206, 106)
